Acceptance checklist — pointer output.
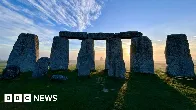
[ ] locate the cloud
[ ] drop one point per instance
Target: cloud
(159, 40)
(12, 24)
(3, 45)
(46, 19)
(76, 14)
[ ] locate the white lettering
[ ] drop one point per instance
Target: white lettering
(36, 98)
(7, 97)
(41, 97)
(27, 97)
(17, 97)
(48, 97)
(55, 98)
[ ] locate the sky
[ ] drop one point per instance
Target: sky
(154, 18)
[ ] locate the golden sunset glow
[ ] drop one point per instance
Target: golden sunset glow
(158, 52)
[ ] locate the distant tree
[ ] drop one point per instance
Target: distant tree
(101, 58)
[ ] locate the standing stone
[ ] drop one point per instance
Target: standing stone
(42, 67)
(59, 57)
(178, 58)
(92, 53)
(86, 56)
(115, 62)
(141, 58)
(25, 52)
(107, 55)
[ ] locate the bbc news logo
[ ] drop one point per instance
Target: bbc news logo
(28, 98)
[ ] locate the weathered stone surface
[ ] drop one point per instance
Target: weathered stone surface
(178, 58)
(25, 52)
(141, 58)
(59, 57)
(99, 36)
(73, 35)
(128, 34)
(86, 56)
(115, 62)
(11, 72)
(58, 78)
(42, 67)
(107, 55)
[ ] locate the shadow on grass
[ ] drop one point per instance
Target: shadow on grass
(184, 86)
(73, 94)
(190, 83)
(99, 92)
(150, 92)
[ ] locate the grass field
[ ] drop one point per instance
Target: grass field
(100, 64)
(2, 65)
(137, 91)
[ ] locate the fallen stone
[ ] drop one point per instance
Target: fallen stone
(58, 78)
(105, 90)
(25, 52)
(189, 79)
(141, 58)
(178, 58)
(112, 89)
(11, 72)
(59, 57)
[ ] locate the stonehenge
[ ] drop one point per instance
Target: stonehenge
(59, 57)
(178, 58)
(115, 63)
(42, 67)
(86, 57)
(25, 54)
(99, 36)
(141, 55)
(107, 55)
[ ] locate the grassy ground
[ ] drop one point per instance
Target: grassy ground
(2, 65)
(138, 91)
(100, 64)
